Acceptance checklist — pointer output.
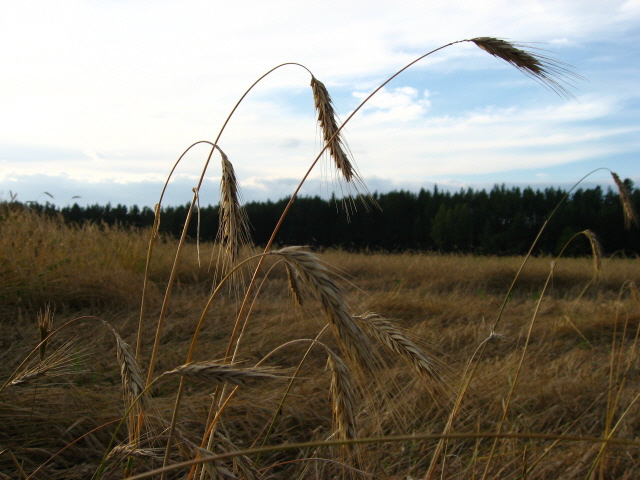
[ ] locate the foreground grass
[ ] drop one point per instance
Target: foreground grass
(579, 377)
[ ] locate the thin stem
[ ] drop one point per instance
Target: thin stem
(174, 417)
(154, 234)
(507, 403)
(386, 439)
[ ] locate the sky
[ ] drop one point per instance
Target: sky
(99, 99)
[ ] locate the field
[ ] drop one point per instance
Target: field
(125, 354)
(578, 383)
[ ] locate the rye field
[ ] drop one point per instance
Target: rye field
(128, 354)
(462, 384)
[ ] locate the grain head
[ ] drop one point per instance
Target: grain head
(344, 398)
(294, 289)
(215, 373)
(45, 324)
(329, 126)
(596, 249)
(630, 214)
(233, 230)
(133, 382)
(542, 68)
(391, 337)
(61, 361)
(317, 276)
(338, 150)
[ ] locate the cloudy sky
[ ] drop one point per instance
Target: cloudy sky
(98, 99)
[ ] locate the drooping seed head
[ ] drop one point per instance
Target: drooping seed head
(596, 249)
(45, 324)
(337, 147)
(396, 341)
(320, 283)
(329, 126)
(344, 398)
(294, 290)
(215, 373)
(62, 361)
(133, 382)
(542, 68)
(629, 210)
(233, 231)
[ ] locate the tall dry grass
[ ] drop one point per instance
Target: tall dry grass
(445, 304)
(394, 366)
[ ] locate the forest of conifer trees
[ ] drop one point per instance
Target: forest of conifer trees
(502, 221)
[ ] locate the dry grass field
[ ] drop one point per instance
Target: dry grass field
(578, 383)
(127, 355)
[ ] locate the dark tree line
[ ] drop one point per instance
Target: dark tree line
(500, 221)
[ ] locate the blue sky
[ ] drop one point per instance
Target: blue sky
(99, 98)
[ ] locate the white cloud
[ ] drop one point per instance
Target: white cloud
(401, 104)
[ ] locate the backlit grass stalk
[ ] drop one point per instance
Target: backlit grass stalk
(343, 391)
(172, 277)
(215, 410)
(294, 377)
(154, 235)
(192, 346)
(596, 249)
(466, 382)
(541, 68)
(216, 401)
(466, 377)
(318, 279)
(609, 436)
(189, 215)
(535, 243)
(381, 440)
(479, 354)
(617, 376)
(474, 361)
